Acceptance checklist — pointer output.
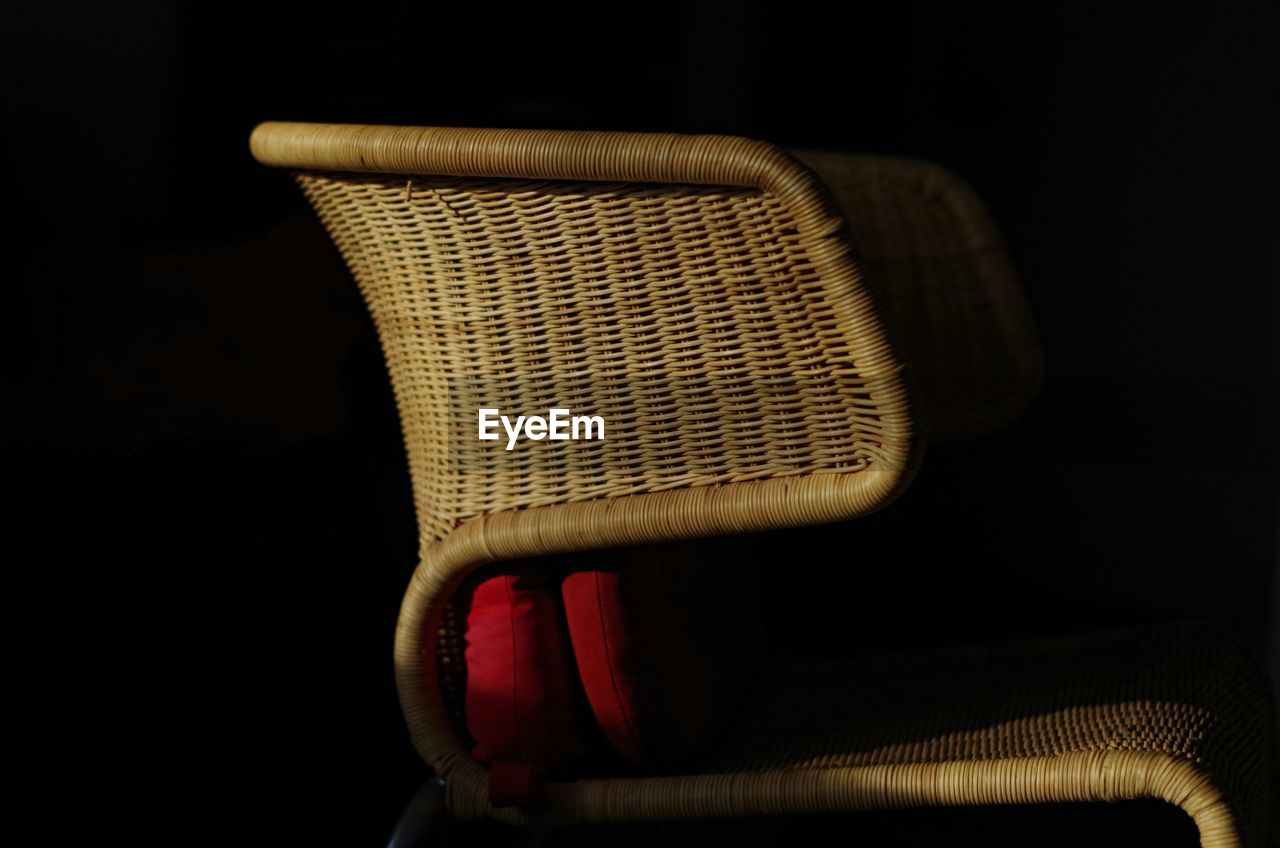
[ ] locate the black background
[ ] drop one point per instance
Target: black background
(212, 514)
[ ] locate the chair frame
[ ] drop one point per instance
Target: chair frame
(700, 511)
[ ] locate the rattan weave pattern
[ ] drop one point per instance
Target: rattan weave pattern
(1178, 712)
(1185, 691)
(1164, 718)
(689, 317)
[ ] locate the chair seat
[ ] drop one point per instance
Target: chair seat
(1181, 714)
(1175, 690)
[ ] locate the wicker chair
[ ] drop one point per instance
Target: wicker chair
(700, 294)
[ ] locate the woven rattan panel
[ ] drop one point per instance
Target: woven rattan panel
(1184, 691)
(688, 317)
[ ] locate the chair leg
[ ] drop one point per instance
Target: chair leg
(422, 818)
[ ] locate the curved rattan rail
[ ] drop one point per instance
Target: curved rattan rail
(464, 239)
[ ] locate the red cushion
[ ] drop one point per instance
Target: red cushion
(659, 636)
(522, 703)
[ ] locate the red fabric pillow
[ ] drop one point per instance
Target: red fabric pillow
(522, 703)
(662, 640)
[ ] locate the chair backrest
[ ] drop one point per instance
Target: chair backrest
(694, 293)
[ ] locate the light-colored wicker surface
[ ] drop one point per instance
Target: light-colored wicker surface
(691, 318)
(699, 293)
(716, 322)
(1177, 713)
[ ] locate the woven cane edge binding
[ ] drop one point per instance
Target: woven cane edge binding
(1078, 777)
(1106, 777)
(533, 154)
